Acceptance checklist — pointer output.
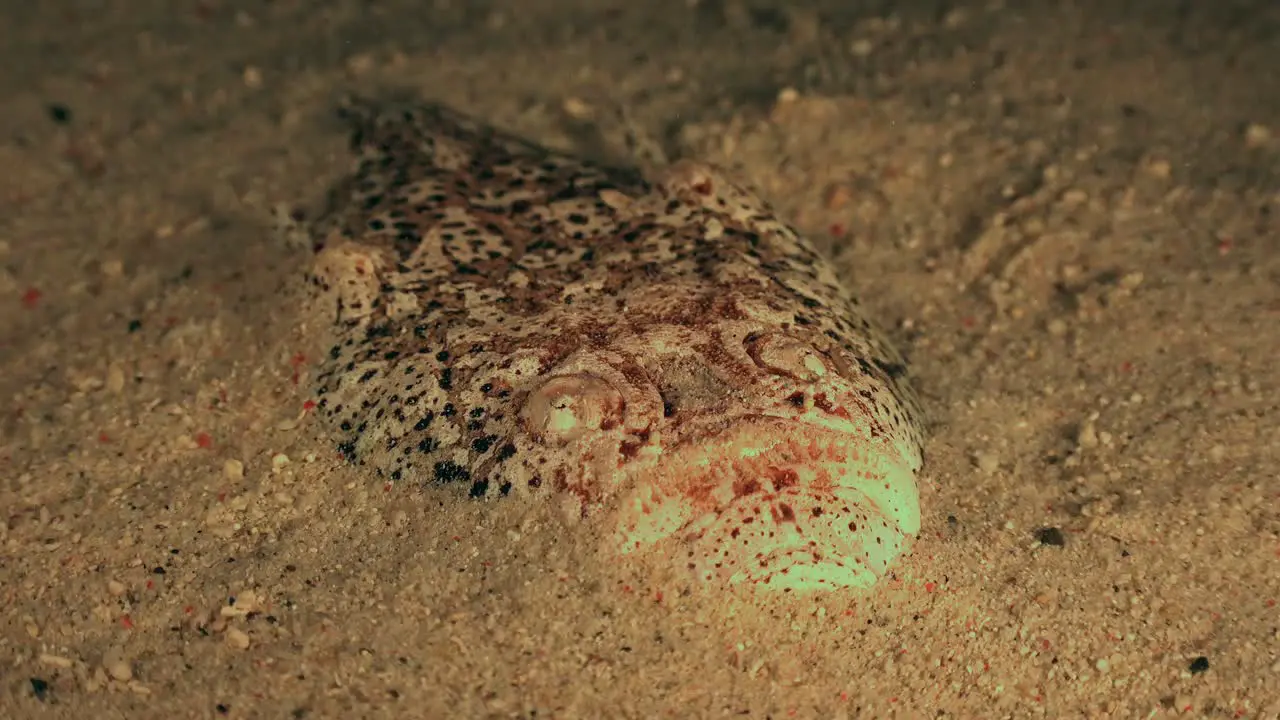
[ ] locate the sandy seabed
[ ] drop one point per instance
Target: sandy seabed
(1067, 212)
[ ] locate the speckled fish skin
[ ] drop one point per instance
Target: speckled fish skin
(669, 355)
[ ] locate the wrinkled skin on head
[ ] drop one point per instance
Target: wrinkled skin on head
(757, 449)
(670, 356)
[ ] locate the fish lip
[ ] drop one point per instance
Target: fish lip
(715, 466)
(699, 431)
(757, 435)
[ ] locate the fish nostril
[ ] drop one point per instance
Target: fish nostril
(566, 407)
(668, 405)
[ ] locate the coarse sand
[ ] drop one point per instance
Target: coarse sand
(1067, 214)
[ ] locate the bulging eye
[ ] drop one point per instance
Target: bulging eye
(565, 407)
(786, 356)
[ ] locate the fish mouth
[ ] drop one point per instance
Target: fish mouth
(792, 503)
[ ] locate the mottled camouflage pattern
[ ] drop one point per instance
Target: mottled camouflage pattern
(514, 321)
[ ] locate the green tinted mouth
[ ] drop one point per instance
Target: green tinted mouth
(776, 503)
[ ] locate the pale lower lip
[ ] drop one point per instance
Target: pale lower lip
(690, 491)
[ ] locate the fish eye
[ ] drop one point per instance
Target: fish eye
(783, 355)
(565, 407)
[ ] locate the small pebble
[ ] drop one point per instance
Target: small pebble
(138, 688)
(117, 666)
(57, 661)
(1257, 135)
(1160, 169)
(1088, 435)
(252, 77)
(120, 671)
(233, 469)
(115, 587)
(861, 47)
(576, 108)
(237, 638)
(360, 63)
(115, 379)
(986, 462)
(955, 18)
(1074, 197)
(247, 601)
(112, 268)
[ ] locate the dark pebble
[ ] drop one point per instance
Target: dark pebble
(1051, 536)
(59, 113)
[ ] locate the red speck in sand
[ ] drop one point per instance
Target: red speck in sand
(31, 298)
(204, 440)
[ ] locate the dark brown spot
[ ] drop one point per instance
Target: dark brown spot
(783, 478)
(448, 471)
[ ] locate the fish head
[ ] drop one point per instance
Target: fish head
(771, 453)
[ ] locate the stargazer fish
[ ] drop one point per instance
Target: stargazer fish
(665, 353)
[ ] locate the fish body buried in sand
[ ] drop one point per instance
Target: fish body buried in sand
(666, 355)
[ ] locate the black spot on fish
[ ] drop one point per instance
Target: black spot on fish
(448, 471)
